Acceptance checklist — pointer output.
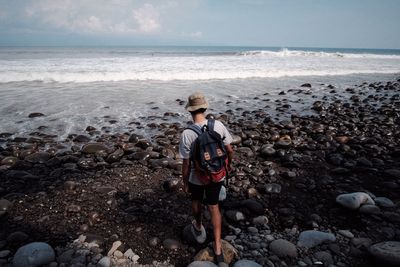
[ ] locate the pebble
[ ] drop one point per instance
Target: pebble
(202, 264)
(114, 247)
(33, 254)
(260, 220)
(273, 188)
(346, 233)
(154, 241)
(5, 206)
(246, 263)
(312, 238)
(354, 200)
(104, 262)
(171, 244)
(369, 209)
(283, 248)
(234, 215)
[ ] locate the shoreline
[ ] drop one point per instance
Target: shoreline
(288, 171)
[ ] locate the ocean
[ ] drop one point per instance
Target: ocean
(79, 86)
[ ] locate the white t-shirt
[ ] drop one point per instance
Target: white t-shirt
(189, 136)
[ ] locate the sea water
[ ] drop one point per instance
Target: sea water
(79, 86)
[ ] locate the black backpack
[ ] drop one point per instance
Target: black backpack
(208, 154)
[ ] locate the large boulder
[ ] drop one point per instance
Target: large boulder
(387, 252)
(33, 254)
(354, 200)
(312, 238)
(207, 254)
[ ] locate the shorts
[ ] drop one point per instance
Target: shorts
(211, 192)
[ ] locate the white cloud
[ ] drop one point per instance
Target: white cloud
(147, 18)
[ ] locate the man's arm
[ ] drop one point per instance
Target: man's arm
(185, 173)
(229, 151)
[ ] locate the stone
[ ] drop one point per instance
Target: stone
(104, 262)
(234, 215)
(5, 206)
(354, 200)
(4, 254)
(154, 241)
(207, 254)
(394, 173)
(93, 148)
(38, 157)
(253, 206)
(384, 202)
(9, 161)
(171, 244)
(346, 233)
(114, 247)
(131, 255)
(246, 263)
(325, 257)
(202, 264)
(386, 252)
(283, 248)
(273, 188)
(308, 85)
(33, 254)
(17, 237)
(35, 115)
(369, 209)
(312, 238)
(260, 220)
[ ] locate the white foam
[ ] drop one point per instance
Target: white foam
(250, 64)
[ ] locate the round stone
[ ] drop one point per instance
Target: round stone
(283, 248)
(202, 264)
(312, 238)
(33, 254)
(246, 263)
(171, 244)
(388, 252)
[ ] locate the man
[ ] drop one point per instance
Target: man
(197, 105)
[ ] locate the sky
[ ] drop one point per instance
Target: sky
(281, 23)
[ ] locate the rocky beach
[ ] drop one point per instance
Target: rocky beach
(316, 187)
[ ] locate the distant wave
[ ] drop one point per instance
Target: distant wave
(62, 77)
(300, 53)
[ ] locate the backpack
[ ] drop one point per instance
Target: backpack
(208, 154)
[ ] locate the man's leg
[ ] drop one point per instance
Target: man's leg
(216, 222)
(197, 211)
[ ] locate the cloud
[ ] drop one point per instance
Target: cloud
(197, 34)
(147, 18)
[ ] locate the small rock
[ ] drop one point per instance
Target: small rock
(154, 241)
(202, 264)
(325, 257)
(5, 206)
(234, 215)
(369, 209)
(171, 244)
(35, 115)
(246, 263)
(346, 233)
(384, 202)
(33, 254)
(114, 247)
(260, 220)
(104, 262)
(283, 248)
(354, 200)
(312, 238)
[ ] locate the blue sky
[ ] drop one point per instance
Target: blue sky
(282, 23)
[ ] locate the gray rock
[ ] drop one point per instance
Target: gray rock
(273, 188)
(202, 264)
(283, 248)
(5, 206)
(246, 263)
(4, 253)
(387, 252)
(325, 257)
(370, 209)
(312, 238)
(33, 254)
(104, 262)
(154, 241)
(346, 233)
(260, 220)
(354, 200)
(171, 243)
(114, 247)
(384, 202)
(234, 215)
